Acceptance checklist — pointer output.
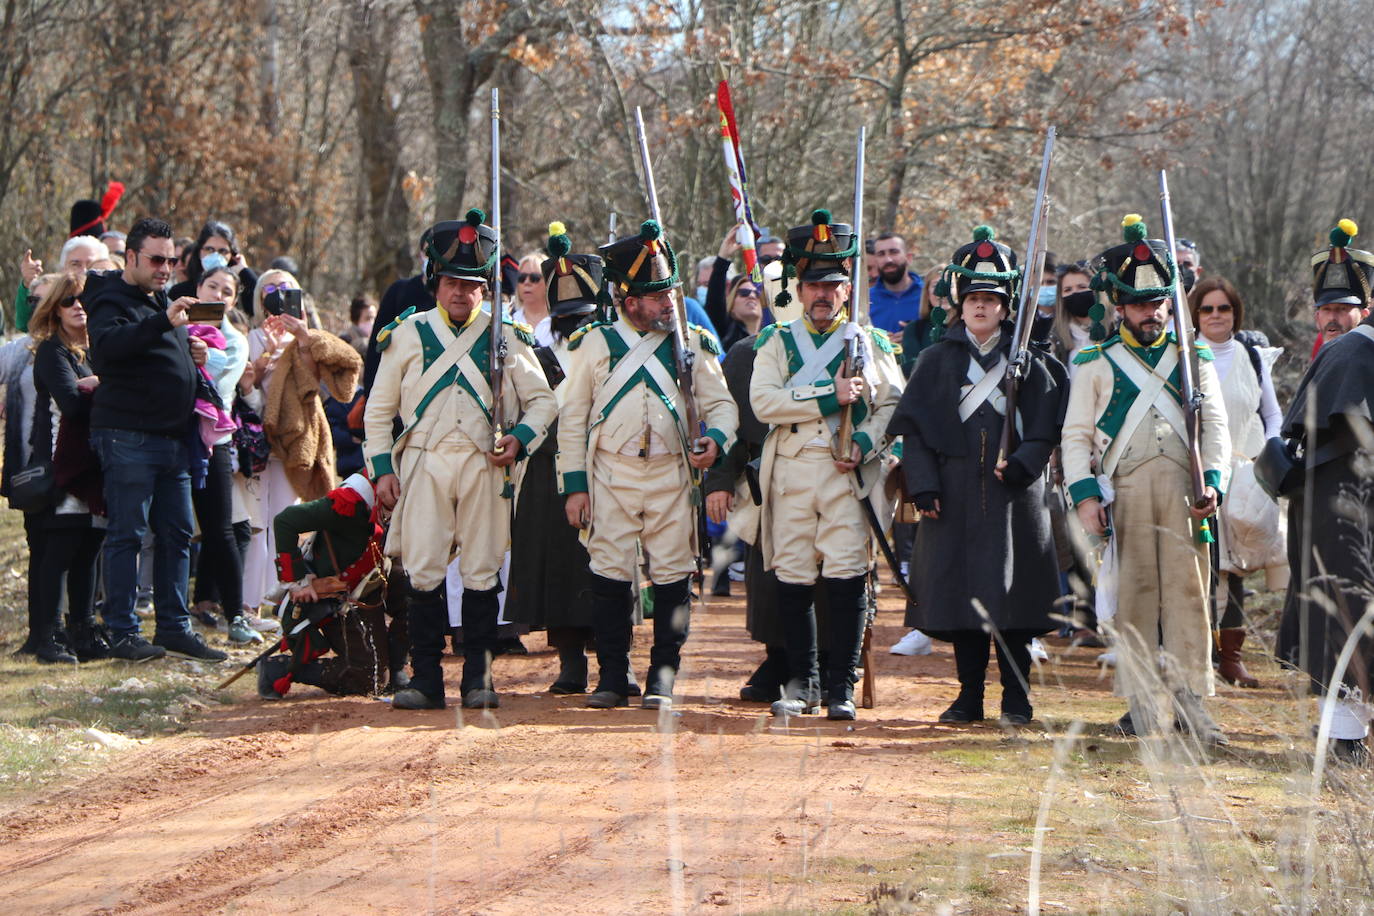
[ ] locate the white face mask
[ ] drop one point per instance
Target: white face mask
(213, 260)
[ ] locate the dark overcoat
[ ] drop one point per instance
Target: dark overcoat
(992, 545)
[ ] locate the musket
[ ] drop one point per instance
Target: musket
(1189, 392)
(608, 311)
(684, 360)
(854, 347)
(1032, 268)
(281, 644)
(496, 353)
(682, 353)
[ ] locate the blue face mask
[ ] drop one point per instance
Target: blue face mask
(211, 261)
(1046, 296)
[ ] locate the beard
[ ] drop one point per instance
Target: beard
(893, 273)
(1146, 332)
(662, 323)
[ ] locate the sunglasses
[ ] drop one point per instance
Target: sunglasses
(68, 302)
(158, 260)
(1209, 309)
(271, 288)
(747, 292)
(529, 278)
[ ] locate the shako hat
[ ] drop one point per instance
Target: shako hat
(1139, 270)
(643, 263)
(1341, 274)
(88, 216)
(983, 264)
(572, 282)
(819, 252)
(460, 248)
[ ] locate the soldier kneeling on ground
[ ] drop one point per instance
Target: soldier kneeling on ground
(336, 584)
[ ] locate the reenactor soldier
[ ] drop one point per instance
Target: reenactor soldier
(447, 487)
(1126, 444)
(627, 462)
(814, 522)
(1327, 484)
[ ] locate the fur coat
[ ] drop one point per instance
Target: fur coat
(294, 417)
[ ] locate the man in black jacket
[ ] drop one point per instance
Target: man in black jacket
(141, 424)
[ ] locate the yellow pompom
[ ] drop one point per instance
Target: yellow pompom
(1349, 228)
(1131, 219)
(557, 228)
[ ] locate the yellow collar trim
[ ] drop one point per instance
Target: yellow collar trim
(448, 319)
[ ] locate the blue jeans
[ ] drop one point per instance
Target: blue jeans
(147, 481)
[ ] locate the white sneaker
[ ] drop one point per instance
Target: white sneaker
(1107, 658)
(913, 643)
(262, 624)
(1037, 651)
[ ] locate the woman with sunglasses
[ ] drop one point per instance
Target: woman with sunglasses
(271, 491)
(734, 305)
(217, 246)
(72, 527)
(1252, 416)
(531, 299)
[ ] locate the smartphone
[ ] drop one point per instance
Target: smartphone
(291, 303)
(206, 313)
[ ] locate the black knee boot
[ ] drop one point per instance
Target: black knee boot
(427, 619)
(672, 617)
(572, 659)
(848, 600)
(613, 627)
(480, 610)
(1014, 666)
(801, 694)
(971, 663)
(397, 630)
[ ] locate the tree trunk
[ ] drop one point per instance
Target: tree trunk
(387, 254)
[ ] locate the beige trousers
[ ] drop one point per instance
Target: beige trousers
(1162, 595)
(644, 499)
(450, 504)
(817, 524)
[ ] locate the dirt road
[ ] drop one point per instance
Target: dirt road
(345, 805)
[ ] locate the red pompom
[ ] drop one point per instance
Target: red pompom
(985, 250)
(467, 235)
(1142, 252)
(345, 501)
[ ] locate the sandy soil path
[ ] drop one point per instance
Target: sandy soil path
(345, 805)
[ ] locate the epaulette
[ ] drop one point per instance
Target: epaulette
(708, 340)
(575, 339)
(1087, 354)
(882, 341)
(766, 333)
(523, 332)
(1204, 352)
(384, 335)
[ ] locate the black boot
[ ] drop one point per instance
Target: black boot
(766, 683)
(572, 659)
(270, 670)
(1014, 666)
(611, 621)
(801, 694)
(480, 610)
(89, 641)
(848, 603)
(672, 617)
(427, 619)
(971, 663)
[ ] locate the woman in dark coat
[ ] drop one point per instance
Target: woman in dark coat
(983, 563)
(550, 579)
(73, 526)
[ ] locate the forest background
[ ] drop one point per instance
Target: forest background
(335, 130)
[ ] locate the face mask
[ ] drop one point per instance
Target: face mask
(211, 261)
(701, 294)
(1046, 297)
(1078, 304)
